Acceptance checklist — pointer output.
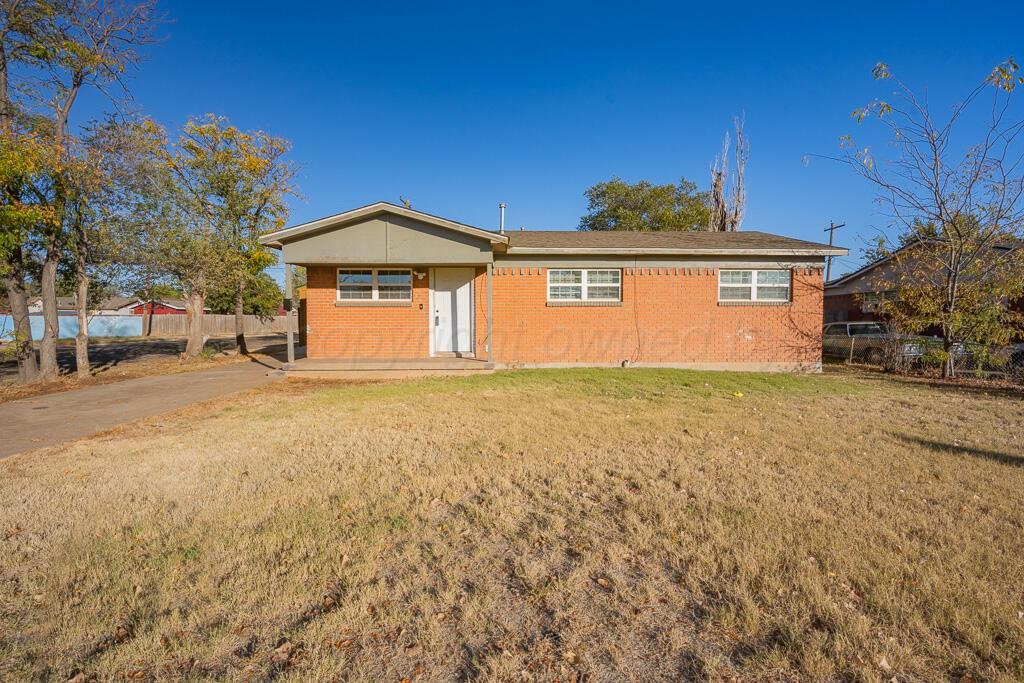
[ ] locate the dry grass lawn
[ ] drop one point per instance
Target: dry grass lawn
(539, 525)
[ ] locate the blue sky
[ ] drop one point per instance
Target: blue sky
(460, 106)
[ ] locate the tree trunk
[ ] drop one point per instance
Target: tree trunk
(194, 303)
(48, 368)
(240, 319)
(147, 305)
(14, 281)
(82, 338)
(949, 365)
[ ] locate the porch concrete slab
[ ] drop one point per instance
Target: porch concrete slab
(374, 368)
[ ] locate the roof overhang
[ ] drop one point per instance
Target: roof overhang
(278, 238)
(619, 251)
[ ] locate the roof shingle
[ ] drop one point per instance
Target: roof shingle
(584, 240)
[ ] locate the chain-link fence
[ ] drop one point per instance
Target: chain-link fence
(876, 346)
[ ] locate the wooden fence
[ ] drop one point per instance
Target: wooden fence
(177, 325)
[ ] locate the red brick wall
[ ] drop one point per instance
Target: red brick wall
(666, 316)
(840, 308)
(364, 331)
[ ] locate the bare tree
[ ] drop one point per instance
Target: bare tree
(728, 191)
(959, 207)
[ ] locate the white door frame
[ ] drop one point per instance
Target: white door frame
(472, 310)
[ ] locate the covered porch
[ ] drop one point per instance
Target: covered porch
(391, 291)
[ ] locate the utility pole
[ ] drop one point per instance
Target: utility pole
(831, 230)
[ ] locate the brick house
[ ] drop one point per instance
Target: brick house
(397, 286)
(858, 296)
(161, 307)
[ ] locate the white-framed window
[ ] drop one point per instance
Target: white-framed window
(874, 302)
(371, 284)
(584, 284)
(753, 285)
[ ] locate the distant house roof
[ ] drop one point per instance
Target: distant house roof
(176, 304)
(1010, 245)
(115, 303)
(630, 242)
(64, 303)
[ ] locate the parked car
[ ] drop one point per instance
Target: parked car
(1015, 367)
(868, 342)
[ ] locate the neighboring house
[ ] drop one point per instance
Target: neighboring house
(65, 305)
(118, 305)
(162, 307)
(68, 305)
(388, 283)
(859, 295)
(112, 318)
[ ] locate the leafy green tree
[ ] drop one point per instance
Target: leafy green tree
(262, 296)
(25, 158)
(957, 211)
(159, 290)
(65, 47)
(298, 276)
(617, 205)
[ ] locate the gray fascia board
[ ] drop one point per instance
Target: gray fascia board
(274, 239)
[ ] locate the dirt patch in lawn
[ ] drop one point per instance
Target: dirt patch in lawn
(546, 525)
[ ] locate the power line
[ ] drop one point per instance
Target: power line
(831, 230)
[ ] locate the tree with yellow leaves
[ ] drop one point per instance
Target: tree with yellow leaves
(236, 184)
(65, 47)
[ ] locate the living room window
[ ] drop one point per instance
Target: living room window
(374, 285)
(753, 285)
(579, 284)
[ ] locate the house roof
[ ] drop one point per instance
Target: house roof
(1009, 245)
(632, 242)
(171, 303)
(275, 239)
(748, 242)
(116, 302)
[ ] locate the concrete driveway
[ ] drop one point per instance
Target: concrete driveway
(55, 418)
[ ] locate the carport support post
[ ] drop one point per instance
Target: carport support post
(490, 312)
(288, 312)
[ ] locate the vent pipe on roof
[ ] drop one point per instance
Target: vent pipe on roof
(501, 222)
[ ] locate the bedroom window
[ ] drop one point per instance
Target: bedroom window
(374, 285)
(753, 285)
(584, 285)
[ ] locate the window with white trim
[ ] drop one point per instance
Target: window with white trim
(367, 284)
(753, 285)
(874, 302)
(584, 284)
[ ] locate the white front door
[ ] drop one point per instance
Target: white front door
(453, 310)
